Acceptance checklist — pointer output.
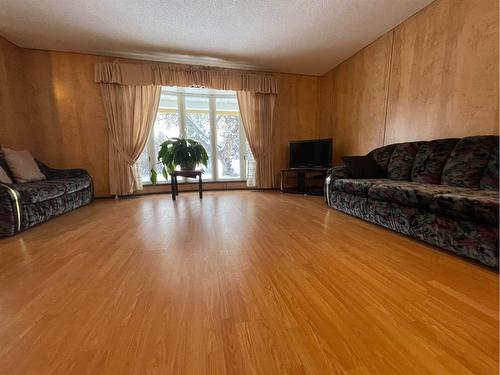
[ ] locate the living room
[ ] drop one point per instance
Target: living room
(113, 260)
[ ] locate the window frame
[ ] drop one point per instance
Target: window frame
(212, 114)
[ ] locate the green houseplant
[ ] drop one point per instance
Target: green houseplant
(184, 152)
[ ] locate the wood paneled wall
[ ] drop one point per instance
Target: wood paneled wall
(66, 122)
(353, 100)
(296, 115)
(14, 127)
(444, 76)
(433, 76)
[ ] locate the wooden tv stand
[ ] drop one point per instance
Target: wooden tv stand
(303, 180)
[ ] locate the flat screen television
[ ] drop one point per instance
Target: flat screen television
(314, 153)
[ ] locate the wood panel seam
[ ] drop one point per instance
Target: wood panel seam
(388, 87)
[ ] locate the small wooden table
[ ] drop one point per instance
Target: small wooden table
(188, 174)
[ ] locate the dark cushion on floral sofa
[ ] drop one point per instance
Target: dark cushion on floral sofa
(430, 160)
(357, 186)
(74, 183)
(382, 155)
(489, 179)
(49, 189)
(39, 191)
(482, 206)
(401, 161)
(468, 161)
(413, 194)
(444, 192)
(25, 205)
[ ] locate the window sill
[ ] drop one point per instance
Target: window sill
(193, 182)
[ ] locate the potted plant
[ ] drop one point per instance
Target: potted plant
(184, 152)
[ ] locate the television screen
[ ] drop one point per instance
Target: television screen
(316, 153)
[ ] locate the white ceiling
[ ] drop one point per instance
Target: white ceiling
(293, 36)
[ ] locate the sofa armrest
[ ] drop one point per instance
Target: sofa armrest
(340, 171)
(10, 210)
(52, 173)
(333, 174)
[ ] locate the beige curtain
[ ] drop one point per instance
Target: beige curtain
(131, 112)
(257, 115)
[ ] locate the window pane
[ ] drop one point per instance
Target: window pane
(143, 165)
(198, 125)
(250, 165)
(167, 125)
(228, 137)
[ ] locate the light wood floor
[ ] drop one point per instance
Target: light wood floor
(239, 283)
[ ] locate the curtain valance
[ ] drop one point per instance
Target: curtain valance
(125, 73)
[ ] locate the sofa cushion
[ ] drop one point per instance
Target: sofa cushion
(4, 177)
(382, 155)
(401, 161)
(489, 179)
(412, 194)
(468, 161)
(5, 166)
(363, 166)
(74, 183)
(23, 166)
(480, 205)
(357, 186)
(430, 160)
(33, 214)
(34, 192)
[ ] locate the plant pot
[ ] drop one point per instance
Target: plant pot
(188, 166)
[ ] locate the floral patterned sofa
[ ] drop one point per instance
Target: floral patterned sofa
(444, 192)
(23, 206)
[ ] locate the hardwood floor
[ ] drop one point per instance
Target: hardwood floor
(238, 283)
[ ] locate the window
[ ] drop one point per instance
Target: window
(197, 125)
(209, 116)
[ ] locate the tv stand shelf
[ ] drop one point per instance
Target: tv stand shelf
(303, 180)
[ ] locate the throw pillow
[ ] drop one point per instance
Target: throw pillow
(4, 177)
(3, 164)
(23, 166)
(363, 166)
